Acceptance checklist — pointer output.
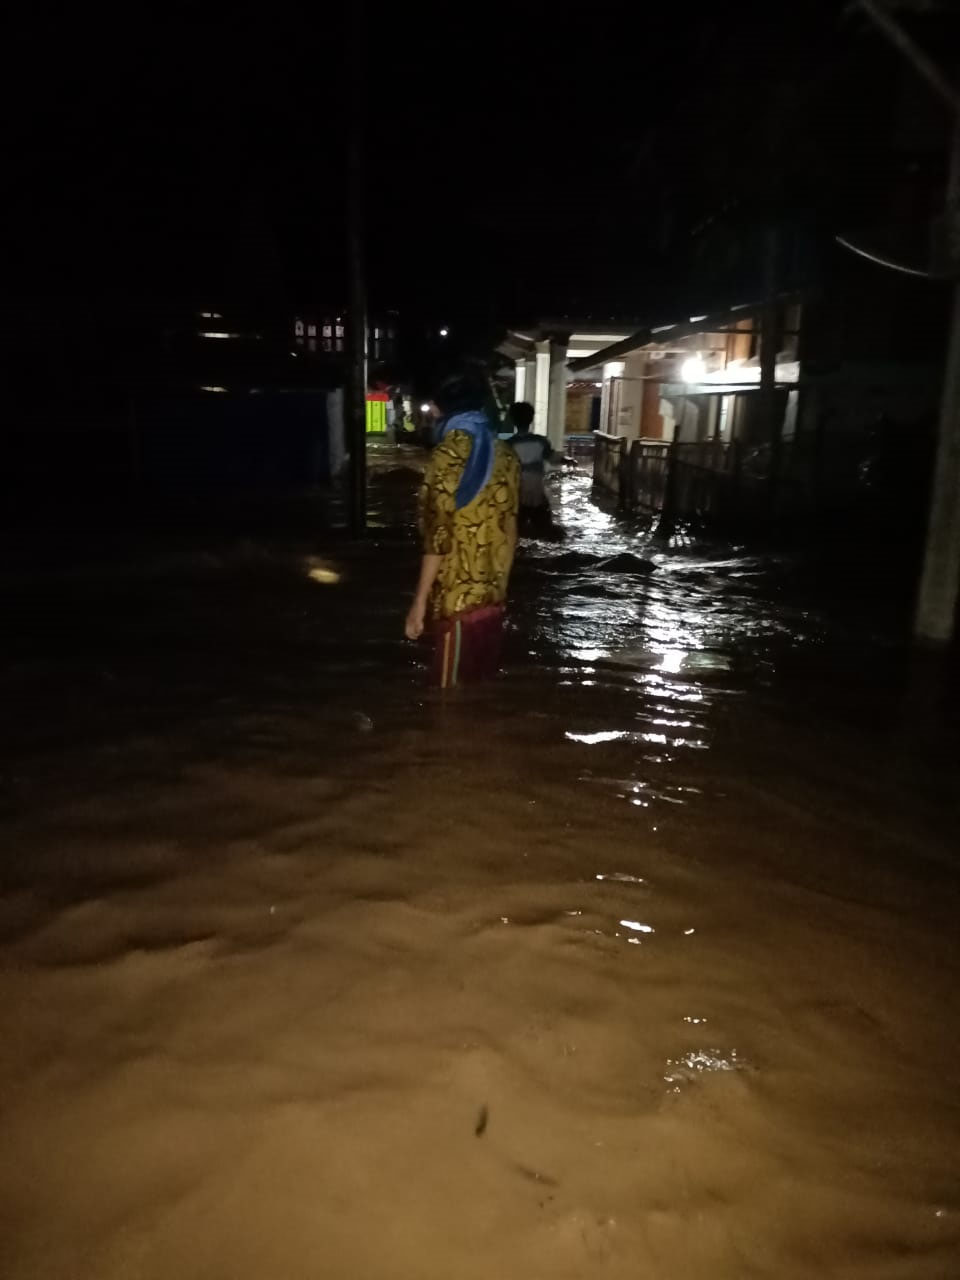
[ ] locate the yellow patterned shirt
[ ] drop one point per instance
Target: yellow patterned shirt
(477, 541)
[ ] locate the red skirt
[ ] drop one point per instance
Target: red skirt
(467, 647)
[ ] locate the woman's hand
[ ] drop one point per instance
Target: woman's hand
(415, 619)
(429, 568)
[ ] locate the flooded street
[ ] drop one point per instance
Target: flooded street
(640, 962)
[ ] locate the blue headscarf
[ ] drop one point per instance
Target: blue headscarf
(479, 466)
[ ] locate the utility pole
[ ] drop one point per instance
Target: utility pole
(356, 398)
(936, 611)
(940, 581)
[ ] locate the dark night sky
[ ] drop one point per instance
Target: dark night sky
(183, 156)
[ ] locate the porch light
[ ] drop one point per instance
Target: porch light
(693, 369)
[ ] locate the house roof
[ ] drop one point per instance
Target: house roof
(663, 333)
(518, 344)
(659, 334)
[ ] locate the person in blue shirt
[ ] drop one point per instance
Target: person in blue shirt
(534, 452)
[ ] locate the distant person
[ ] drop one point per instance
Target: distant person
(534, 452)
(468, 518)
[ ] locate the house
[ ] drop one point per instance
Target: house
(781, 386)
(697, 378)
(542, 356)
(319, 331)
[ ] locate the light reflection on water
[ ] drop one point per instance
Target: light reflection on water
(616, 606)
(648, 647)
(695, 1063)
(605, 735)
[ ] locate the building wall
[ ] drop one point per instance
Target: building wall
(690, 419)
(651, 419)
(579, 412)
(668, 416)
(629, 407)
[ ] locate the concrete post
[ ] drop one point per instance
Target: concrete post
(612, 370)
(520, 381)
(557, 414)
(605, 405)
(541, 396)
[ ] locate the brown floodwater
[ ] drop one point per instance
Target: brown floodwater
(640, 962)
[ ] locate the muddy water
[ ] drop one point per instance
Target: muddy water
(640, 962)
